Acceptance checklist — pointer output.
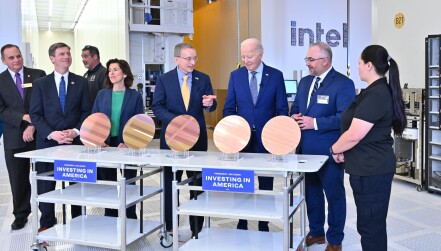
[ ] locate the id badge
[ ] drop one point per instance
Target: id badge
(26, 85)
(323, 99)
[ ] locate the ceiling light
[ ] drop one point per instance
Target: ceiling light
(80, 11)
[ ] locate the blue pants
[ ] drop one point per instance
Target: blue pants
(372, 195)
(330, 180)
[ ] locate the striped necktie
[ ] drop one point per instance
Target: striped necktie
(314, 90)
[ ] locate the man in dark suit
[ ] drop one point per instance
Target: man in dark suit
(321, 99)
(257, 93)
(59, 105)
(96, 73)
(15, 96)
(169, 102)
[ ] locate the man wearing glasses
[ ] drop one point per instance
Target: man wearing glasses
(96, 72)
(321, 99)
(183, 90)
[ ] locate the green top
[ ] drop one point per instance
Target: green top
(117, 100)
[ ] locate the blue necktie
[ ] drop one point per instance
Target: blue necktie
(314, 90)
(62, 93)
(18, 83)
(253, 87)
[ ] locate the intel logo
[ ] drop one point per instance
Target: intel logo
(333, 37)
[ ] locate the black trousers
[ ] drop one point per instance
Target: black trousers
(168, 200)
(18, 170)
(265, 183)
(47, 210)
(372, 195)
(111, 174)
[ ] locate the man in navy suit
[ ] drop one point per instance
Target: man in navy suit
(168, 103)
(257, 93)
(57, 114)
(321, 99)
(15, 96)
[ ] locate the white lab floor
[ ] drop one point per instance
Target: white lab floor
(414, 221)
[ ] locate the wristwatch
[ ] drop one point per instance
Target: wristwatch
(331, 151)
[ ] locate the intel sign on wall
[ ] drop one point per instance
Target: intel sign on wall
(332, 37)
(289, 27)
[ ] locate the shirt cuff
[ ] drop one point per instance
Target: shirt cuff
(77, 131)
(315, 124)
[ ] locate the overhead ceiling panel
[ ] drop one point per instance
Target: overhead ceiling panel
(61, 17)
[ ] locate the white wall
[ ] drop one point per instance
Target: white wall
(277, 32)
(47, 38)
(406, 45)
(10, 24)
(102, 24)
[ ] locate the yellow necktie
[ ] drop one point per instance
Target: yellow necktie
(185, 90)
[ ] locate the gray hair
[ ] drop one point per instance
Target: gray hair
(179, 47)
(256, 42)
(324, 47)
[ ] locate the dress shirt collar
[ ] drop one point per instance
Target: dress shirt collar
(58, 77)
(13, 74)
(181, 76)
(259, 70)
(323, 76)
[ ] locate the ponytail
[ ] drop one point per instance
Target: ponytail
(399, 117)
(383, 62)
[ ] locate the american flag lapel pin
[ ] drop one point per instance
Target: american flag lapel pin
(196, 78)
(72, 83)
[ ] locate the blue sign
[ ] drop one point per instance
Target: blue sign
(78, 171)
(241, 181)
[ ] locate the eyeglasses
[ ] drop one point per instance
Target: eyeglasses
(313, 59)
(189, 59)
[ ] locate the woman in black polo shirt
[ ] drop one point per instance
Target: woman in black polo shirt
(365, 145)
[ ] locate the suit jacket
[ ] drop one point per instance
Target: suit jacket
(168, 103)
(341, 92)
(46, 113)
(132, 105)
(13, 107)
(271, 101)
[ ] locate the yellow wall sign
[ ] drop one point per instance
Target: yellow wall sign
(399, 20)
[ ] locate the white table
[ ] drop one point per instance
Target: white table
(93, 230)
(261, 205)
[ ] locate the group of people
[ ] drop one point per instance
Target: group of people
(355, 132)
(41, 111)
